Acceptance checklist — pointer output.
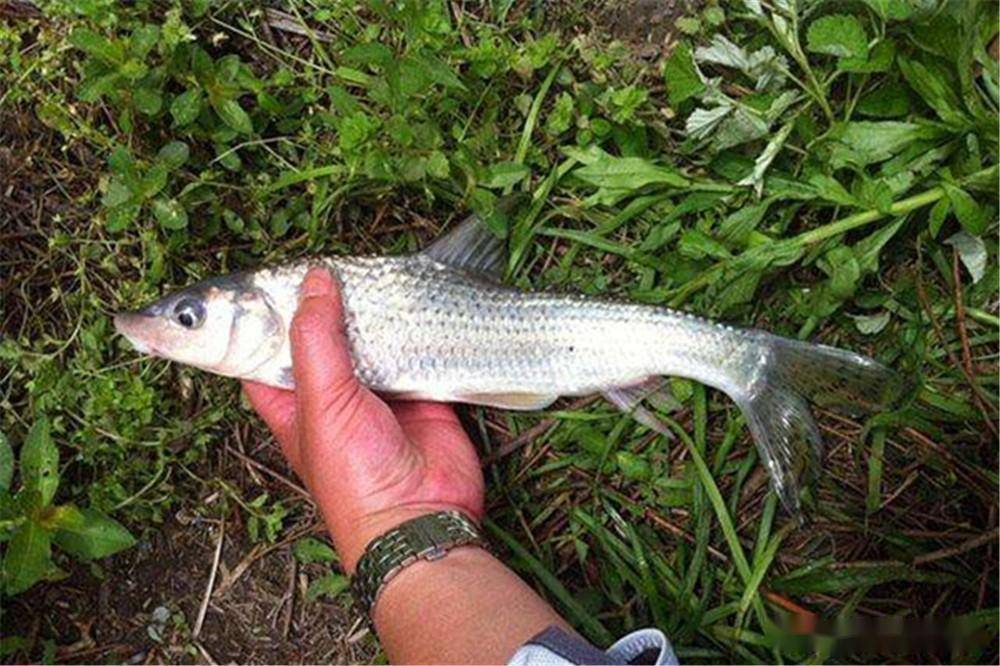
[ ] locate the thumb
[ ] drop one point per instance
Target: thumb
(325, 383)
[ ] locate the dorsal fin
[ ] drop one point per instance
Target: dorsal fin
(471, 246)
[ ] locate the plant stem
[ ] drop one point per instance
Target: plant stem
(830, 230)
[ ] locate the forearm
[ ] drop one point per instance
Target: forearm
(465, 608)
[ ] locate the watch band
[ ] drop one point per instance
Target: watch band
(427, 537)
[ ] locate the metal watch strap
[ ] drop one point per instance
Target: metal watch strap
(427, 537)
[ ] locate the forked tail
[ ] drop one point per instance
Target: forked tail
(789, 375)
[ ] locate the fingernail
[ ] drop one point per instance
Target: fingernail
(316, 283)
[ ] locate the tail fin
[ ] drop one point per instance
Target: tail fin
(790, 374)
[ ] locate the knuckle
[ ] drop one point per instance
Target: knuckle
(310, 321)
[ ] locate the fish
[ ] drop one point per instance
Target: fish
(441, 325)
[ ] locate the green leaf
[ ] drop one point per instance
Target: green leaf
(437, 165)
(897, 10)
(355, 129)
(100, 47)
(863, 142)
(633, 466)
(831, 190)
(186, 107)
(681, 75)
(331, 585)
(87, 533)
(763, 161)
(203, 66)
(143, 39)
(40, 462)
(867, 249)
(888, 101)
(234, 116)
(121, 216)
(6, 463)
(504, 174)
(369, 53)
(437, 71)
(92, 89)
(152, 182)
(561, 117)
(697, 245)
(970, 215)
(932, 84)
(838, 35)
(879, 59)
(308, 550)
(628, 173)
(147, 100)
(742, 221)
(871, 324)
(170, 214)
(844, 272)
(173, 155)
(936, 218)
(28, 559)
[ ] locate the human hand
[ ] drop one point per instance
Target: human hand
(370, 465)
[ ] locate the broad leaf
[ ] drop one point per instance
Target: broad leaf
(862, 143)
(40, 462)
(147, 100)
(330, 585)
(681, 75)
(170, 214)
(839, 35)
(186, 107)
(628, 173)
(100, 47)
(308, 550)
(234, 116)
(173, 155)
(88, 534)
(969, 213)
(28, 559)
(831, 190)
(505, 174)
(888, 101)
(871, 324)
(932, 84)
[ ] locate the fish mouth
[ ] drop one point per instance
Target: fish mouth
(135, 326)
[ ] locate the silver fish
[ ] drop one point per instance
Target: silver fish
(440, 325)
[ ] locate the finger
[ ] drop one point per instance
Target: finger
(277, 408)
(321, 360)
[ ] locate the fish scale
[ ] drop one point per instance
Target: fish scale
(441, 325)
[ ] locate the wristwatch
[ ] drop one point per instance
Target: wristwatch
(427, 537)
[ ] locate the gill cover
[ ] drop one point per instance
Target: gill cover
(225, 325)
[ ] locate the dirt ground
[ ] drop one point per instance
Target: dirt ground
(145, 606)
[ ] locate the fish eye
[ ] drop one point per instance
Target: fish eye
(189, 313)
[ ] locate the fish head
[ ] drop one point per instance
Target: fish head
(224, 325)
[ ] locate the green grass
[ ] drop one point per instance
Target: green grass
(825, 170)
